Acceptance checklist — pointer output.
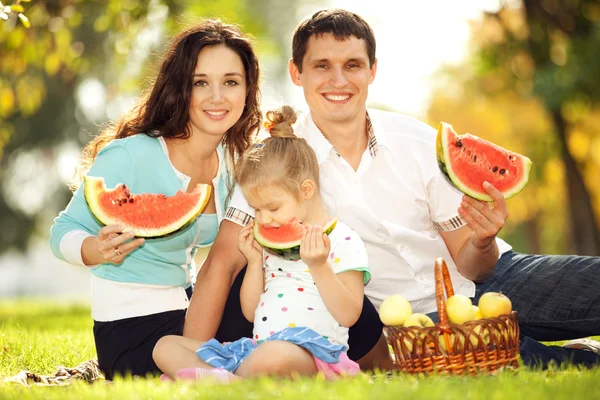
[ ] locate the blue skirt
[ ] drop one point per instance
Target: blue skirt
(229, 356)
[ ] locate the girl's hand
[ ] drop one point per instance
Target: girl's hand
(114, 245)
(314, 246)
(248, 246)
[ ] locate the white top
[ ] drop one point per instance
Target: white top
(291, 297)
(397, 201)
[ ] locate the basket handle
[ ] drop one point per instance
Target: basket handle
(442, 281)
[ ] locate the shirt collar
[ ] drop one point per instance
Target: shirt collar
(322, 146)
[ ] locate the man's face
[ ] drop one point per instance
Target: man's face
(335, 78)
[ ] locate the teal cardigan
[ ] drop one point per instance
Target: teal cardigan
(142, 164)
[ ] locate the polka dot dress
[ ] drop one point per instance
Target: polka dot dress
(291, 298)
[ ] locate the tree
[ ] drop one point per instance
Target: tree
(545, 52)
(112, 44)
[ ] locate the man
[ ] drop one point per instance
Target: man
(379, 175)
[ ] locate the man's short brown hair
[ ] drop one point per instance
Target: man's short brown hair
(340, 23)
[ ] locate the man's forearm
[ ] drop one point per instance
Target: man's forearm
(208, 302)
(476, 263)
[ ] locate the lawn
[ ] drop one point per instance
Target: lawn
(39, 336)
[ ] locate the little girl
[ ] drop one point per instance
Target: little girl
(301, 310)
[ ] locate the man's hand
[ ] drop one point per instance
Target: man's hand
(485, 219)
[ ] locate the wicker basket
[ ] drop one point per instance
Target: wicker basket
(481, 346)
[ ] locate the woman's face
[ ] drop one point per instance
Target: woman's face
(218, 91)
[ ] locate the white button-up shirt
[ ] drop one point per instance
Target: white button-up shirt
(397, 201)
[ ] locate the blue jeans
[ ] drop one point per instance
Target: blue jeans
(556, 298)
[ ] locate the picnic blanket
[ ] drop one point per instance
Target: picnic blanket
(87, 371)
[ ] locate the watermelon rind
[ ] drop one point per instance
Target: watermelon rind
(289, 250)
(94, 187)
(445, 136)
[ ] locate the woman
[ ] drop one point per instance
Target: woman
(199, 115)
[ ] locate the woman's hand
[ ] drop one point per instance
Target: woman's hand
(114, 245)
(314, 246)
(248, 246)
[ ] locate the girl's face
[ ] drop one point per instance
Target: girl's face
(218, 91)
(275, 206)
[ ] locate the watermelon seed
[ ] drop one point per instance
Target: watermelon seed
(131, 200)
(458, 143)
(495, 169)
(474, 158)
(502, 171)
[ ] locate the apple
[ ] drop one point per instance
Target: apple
(478, 314)
(408, 342)
(451, 342)
(418, 319)
(394, 310)
(459, 309)
(485, 336)
(494, 304)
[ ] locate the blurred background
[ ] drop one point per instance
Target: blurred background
(524, 74)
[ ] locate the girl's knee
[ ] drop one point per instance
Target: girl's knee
(278, 358)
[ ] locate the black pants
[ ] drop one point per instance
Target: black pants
(125, 346)
(363, 336)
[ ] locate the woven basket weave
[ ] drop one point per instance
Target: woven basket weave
(481, 346)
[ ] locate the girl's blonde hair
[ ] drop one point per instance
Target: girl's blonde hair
(282, 160)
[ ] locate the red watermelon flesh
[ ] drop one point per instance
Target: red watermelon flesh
(284, 240)
(468, 161)
(147, 215)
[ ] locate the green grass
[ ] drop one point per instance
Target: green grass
(40, 336)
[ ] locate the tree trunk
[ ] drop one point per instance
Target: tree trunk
(585, 238)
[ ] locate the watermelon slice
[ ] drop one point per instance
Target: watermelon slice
(146, 215)
(467, 161)
(284, 241)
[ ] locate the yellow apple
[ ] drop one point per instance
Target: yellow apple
(494, 304)
(485, 336)
(418, 319)
(394, 310)
(477, 313)
(408, 342)
(451, 342)
(460, 309)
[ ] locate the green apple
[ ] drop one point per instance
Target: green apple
(418, 319)
(478, 314)
(494, 304)
(459, 309)
(394, 310)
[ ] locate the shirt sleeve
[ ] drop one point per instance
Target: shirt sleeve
(444, 202)
(115, 165)
(239, 210)
(348, 253)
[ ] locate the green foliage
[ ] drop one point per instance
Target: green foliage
(535, 71)
(115, 42)
(14, 11)
(40, 336)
